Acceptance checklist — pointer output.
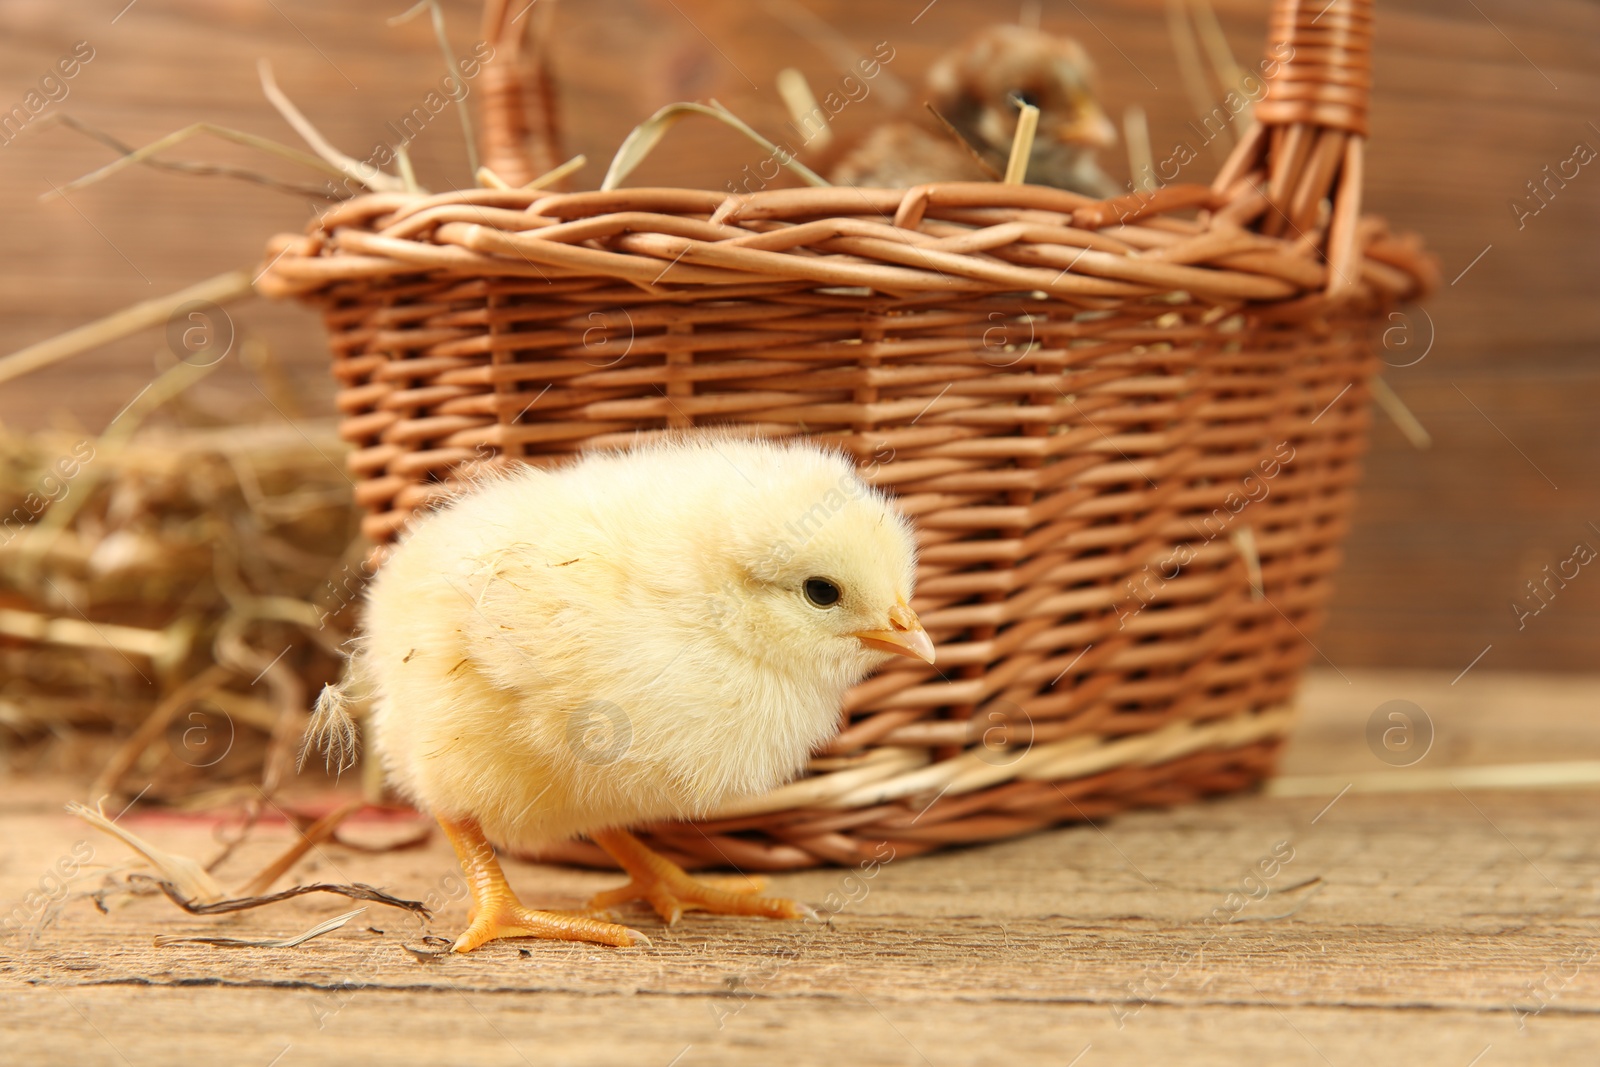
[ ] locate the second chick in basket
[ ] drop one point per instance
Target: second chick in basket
(976, 88)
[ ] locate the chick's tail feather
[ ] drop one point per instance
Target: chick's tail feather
(332, 730)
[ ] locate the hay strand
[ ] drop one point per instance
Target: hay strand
(1386, 398)
(327, 926)
(190, 166)
(312, 836)
(462, 111)
(1022, 144)
(221, 289)
(643, 138)
(346, 166)
(160, 646)
(1191, 71)
(181, 873)
(1223, 63)
(1556, 774)
(489, 179)
(837, 47)
(353, 890)
(557, 174)
(408, 173)
(154, 725)
(1141, 160)
(143, 155)
(801, 102)
(966, 145)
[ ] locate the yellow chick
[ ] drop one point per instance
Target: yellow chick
(640, 635)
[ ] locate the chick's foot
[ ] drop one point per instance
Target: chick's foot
(496, 912)
(671, 891)
(509, 918)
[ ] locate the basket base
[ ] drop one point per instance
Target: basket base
(1021, 807)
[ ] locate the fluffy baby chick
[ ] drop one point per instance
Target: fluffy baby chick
(976, 89)
(637, 636)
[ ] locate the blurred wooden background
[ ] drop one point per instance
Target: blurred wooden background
(1473, 100)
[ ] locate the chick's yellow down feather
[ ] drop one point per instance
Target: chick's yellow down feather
(640, 635)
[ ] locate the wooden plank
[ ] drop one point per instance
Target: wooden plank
(250, 1026)
(225, 1025)
(1390, 928)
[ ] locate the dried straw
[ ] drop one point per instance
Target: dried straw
(462, 111)
(119, 324)
(1022, 145)
(182, 576)
(642, 140)
(327, 926)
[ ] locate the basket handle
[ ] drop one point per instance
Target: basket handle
(521, 136)
(1310, 132)
(1325, 77)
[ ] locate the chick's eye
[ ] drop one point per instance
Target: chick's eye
(821, 592)
(1023, 96)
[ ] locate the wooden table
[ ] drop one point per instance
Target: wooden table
(1449, 926)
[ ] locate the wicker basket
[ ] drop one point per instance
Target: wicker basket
(1128, 431)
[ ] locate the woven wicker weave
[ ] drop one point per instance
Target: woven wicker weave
(1128, 431)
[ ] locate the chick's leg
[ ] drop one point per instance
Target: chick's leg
(496, 912)
(670, 890)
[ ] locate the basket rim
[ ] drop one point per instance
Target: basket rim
(955, 237)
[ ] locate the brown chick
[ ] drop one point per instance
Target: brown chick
(975, 88)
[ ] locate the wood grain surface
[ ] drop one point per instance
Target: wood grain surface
(1472, 102)
(1415, 928)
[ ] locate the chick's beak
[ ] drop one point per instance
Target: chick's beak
(1089, 127)
(904, 637)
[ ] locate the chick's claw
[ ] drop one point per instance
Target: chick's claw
(671, 891)
(671, 897)
(511, 919)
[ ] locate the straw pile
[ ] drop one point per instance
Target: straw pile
(168, 597)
